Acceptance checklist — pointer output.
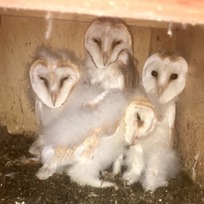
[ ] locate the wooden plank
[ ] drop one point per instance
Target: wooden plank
(190, 107)
(78, 17)
(180, 11)
(162, 41)
(141, 45)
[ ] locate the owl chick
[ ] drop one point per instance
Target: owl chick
(53, 75)
(153, 161)
(164, 78)
(164, 74)
(97, 151)
(81, 120)
(109, 54)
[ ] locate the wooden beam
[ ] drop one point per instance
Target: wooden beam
(157, 11)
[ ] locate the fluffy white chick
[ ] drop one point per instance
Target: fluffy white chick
(164, 78)
(109, 54)
(53, 75)
(100, 147)
(82, 119)
(152, 161)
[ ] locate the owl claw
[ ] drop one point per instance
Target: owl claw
(107, 184)
(130, 177)
(152, 186)
(44, 173)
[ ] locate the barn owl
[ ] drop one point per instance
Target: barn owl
(164, 75)
(53, 75)
(164, 78)
(152, 161)
(109, 54)
(97, 148)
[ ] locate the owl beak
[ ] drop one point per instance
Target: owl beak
(134, 141)
(160, 91)
(131, 138)
(105, 58)
(54, 97)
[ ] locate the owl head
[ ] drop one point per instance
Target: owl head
(164, 75)
(53, 76)
(105, 40)
(140, 120)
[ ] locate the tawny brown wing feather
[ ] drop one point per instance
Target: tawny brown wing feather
(130, 73)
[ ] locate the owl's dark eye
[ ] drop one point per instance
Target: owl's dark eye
(139, 120)
(116, 43)
(138, 117)
(154, 73)
(63, 80)
(173, 76)
(97, 41)
(44, 80)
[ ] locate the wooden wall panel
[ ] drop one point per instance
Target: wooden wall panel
(141, 46)
(190, 107)
(161, 40)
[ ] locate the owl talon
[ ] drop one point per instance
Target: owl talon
(107, 184)
(151, 186)
(44, 173)
(130, 177)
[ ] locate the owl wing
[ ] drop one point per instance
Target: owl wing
(130, 72)
(98, 99)
(58, 156)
